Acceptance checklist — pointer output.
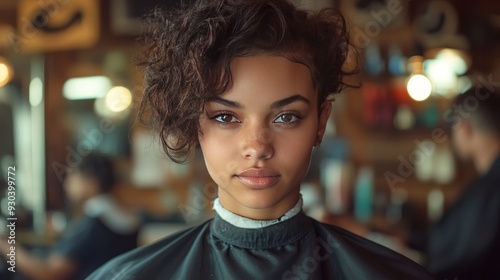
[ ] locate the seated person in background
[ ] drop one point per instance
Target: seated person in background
(465, 242)
(251, 82)
(102, 231)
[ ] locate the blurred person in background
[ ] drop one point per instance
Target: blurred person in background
(465, 242)
(102, 229)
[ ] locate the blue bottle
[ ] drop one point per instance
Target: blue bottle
(363, 195)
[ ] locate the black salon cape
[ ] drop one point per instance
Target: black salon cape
(465, 243)
(297, 248)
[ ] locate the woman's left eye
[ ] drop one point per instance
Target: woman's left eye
(225, 118)
(287, 118)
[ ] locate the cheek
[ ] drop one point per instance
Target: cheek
(301, 139)
(73, 191)
(296, 153)
(218, 154)
(457, 138)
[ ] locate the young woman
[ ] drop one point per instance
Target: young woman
(251, 82)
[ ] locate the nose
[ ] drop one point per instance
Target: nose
(257, 143)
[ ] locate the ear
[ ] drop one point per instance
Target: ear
(326, 109)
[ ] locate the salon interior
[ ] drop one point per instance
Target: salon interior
(69, 85)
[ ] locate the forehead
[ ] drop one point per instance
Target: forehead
(270, 74)
(77, 175)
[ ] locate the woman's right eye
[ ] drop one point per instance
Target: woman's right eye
(226, 118)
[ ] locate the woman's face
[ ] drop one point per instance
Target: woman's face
(79, 187)
(258, 136)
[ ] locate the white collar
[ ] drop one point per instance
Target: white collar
(242, 222)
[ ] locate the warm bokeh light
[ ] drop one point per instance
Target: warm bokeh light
(445, 69)
(419, 87)
(118, 99)
(114, 104)
(101, 110)
(5, 74)
(456, 60)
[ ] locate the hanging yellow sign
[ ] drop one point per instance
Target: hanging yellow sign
(54, 25)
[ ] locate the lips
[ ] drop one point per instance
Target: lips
(258, 178)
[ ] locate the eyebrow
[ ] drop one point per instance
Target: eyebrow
(289, 100)
(226, 102)
(274, 105)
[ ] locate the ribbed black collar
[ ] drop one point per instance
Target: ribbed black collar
(276, 235)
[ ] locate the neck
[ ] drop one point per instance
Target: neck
(261, 213)
(486, 155)
(243, 222)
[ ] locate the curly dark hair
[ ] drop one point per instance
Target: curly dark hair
(188, 53)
